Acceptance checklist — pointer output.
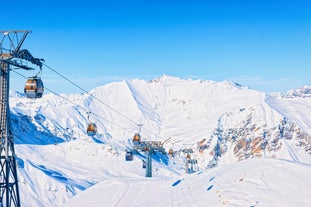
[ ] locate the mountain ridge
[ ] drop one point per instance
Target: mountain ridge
(222, 122)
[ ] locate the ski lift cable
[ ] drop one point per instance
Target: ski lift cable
(85, 109)
(89, 93)
(76, 85)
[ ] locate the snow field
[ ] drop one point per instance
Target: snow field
(58, 165)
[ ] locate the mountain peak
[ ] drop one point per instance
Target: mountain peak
(234, 84)
(167, 79)
(174, 79)
(304, 91)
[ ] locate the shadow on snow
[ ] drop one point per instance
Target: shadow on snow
(26, 132)
(60, 177)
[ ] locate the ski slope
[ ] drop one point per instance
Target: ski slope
(260, 182)
(297, 109)
(59, 165)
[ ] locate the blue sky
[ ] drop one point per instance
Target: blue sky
(263, 44)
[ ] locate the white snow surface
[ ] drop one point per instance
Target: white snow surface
(59, 165)
(261, 182)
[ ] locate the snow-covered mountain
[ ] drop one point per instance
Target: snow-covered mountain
(221, 122)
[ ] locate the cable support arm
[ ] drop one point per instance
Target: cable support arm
(25, 55)
(21, 42)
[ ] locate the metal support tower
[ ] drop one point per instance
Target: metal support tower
(149, 147)
(9, 193)
(189, 163)
(148, 164)
(10, 54)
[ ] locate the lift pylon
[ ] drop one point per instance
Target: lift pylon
(10, 54)
(149, 148)
(190, 164)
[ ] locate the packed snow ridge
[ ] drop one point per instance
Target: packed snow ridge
(227, 127)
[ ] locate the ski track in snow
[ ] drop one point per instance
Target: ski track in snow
(291, 151)
(123, 194)
(295, 109)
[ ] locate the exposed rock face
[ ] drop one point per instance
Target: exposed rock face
(252, 141)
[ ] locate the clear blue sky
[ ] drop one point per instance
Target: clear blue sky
(264, 44)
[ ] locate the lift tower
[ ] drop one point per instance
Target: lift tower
(150, 148)
(10, 54)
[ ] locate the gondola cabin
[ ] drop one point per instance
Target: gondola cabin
(144, 164)
(129, 155)
(136, 139)
(34, 87)
(91, 129)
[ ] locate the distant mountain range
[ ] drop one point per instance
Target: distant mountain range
(221, 122)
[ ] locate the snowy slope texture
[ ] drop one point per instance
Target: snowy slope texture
(251, 183)
(221, 123)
